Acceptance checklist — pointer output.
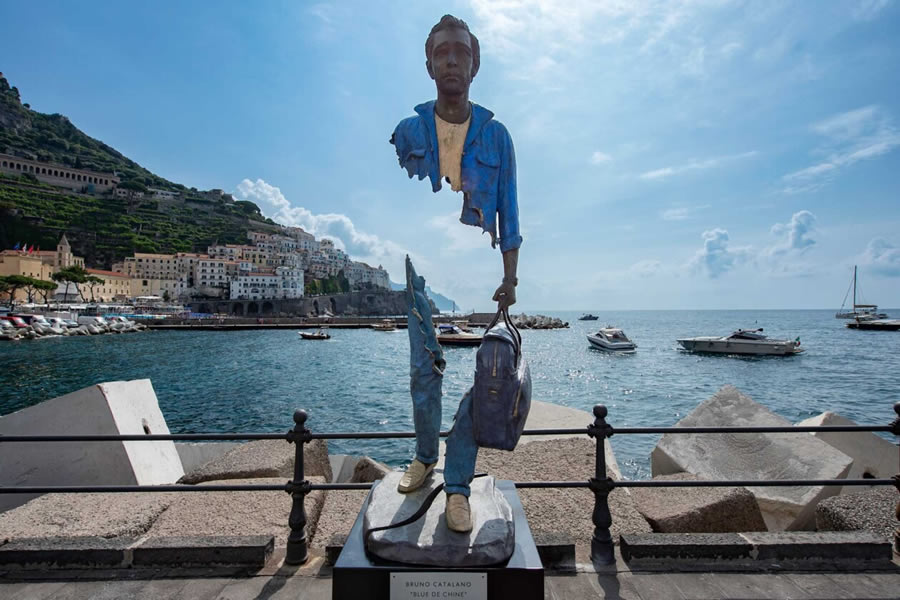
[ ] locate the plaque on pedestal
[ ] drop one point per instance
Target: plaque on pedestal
(359, 575)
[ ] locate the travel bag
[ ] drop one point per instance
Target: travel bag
(501, 396)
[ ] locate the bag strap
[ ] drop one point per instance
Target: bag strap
(426, 504)
(517, 337)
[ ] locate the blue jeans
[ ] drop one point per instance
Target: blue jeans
(426, 374)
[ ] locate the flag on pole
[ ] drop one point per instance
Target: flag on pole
(30, 250)
(16, 247)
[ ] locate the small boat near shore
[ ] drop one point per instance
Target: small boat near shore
(450, 334)
(612, 339)
(743, 341)
(320, 334)
(588, 317)
(385, 325)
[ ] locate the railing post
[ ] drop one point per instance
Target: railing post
(601, 542)
(298, 487)
(895, 429)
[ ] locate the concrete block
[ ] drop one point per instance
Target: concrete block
(79, 515)
(705, 546)
(754, 456)
(341, 467)
(244, 550)
(119, 407)
(263, 458)
(873, 510)
(237, 513)
(698, 509)
(368, 470)
(819, 546)
(196, 454)
(71, 552)
(872, 456)
(789, 549)
(557, 551)
(333, 548)
(565, 511)
(338, 515)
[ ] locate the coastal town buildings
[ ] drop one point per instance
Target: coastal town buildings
(37, 263)
(282, 282)
(271, 266)
(115, 287)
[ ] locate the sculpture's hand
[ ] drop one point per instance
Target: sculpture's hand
(505, 295)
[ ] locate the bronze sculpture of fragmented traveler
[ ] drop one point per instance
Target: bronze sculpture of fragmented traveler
(459, 142)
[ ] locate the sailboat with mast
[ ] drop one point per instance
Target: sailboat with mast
(860, 311)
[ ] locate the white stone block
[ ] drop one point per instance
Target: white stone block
(872, 456)
(113, 408)
(727, 456)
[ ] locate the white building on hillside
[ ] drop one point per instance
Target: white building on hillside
(359, 274)
(282, 283)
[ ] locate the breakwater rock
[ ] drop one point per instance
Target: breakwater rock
(521, 321)
(524, 321)
(38, 329)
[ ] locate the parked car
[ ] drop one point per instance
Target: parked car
(92, 320)
(16, 320)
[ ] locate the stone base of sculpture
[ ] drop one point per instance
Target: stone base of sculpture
(520, 575)
(428, 541)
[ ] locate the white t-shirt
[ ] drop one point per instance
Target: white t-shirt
(451, 138)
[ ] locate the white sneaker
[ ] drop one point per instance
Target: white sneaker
(414, 477)
(459, 516)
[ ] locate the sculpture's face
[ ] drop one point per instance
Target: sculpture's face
(450, 63)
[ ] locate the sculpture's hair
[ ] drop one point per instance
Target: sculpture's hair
(451, 22)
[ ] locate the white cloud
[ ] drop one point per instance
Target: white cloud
(795, 235)
(696, 165)
(598, 158)
(680, 213)
(458, 237)
(358, 244)
(883, 257)
(852, 136)
(717, 257)
(865, 10)
(645, 268)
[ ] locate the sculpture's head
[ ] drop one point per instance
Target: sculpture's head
(452, 55)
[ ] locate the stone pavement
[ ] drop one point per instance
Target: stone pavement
(313, 582)
(627, 586)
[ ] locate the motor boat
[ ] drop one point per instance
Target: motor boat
(612, 339)
(743, 341)
(385, 325)
(450, 334)
(588, 317)
(320, 334)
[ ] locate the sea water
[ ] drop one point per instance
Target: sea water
(230, 381)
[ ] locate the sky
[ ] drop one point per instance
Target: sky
(672, 154)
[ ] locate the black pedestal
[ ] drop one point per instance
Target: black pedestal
(357, 575)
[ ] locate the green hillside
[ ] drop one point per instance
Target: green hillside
(103, 229)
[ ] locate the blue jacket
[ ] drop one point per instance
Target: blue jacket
(488, 169)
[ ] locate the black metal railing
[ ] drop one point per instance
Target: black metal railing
(602, 547)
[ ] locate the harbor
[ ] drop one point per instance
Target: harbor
(219, 380)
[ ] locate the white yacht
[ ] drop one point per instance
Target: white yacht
(860, 312)
(612, 339)
(450, 334)
(743, 341)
